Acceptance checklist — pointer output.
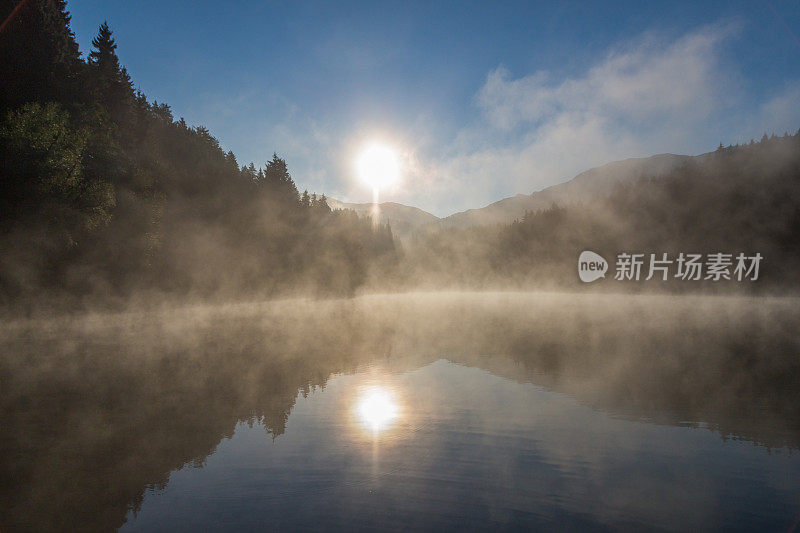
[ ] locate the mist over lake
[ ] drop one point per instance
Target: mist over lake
(509, 410)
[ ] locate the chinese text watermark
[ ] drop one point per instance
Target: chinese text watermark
(686, 266)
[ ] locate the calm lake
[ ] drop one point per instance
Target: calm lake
(422, 411)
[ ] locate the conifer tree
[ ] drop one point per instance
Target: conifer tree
(111, 82)
(278, 182)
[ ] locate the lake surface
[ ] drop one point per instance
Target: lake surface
(426, 411)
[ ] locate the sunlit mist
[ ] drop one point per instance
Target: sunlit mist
(377, 408)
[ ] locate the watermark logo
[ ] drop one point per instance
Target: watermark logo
(591, 266)
(685, 266)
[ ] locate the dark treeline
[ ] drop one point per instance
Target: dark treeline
(738, 199)
(104, 193)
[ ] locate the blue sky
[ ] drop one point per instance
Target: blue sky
(480, 100)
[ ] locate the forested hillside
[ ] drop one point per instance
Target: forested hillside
(738, 199)
(105, 193)
(588, 184)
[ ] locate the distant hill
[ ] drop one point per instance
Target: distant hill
(402, 218)
(584, 186)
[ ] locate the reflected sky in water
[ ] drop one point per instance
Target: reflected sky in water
(426, 411)
(450, 446)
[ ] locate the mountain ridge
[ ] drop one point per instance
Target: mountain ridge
(582, 187)
(406, 219)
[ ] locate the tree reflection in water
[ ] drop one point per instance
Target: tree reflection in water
(96, 409)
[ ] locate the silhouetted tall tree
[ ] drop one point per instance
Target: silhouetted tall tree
(278, 183)
(111, 82)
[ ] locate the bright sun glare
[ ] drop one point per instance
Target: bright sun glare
(378, 166)
(376, 408)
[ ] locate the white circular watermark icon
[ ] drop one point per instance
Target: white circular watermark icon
(591, 266)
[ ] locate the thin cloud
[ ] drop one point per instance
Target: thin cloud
(534, 131)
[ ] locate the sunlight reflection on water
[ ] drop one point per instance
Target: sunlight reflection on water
(377, 408)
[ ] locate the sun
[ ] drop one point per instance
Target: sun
(378, 166)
